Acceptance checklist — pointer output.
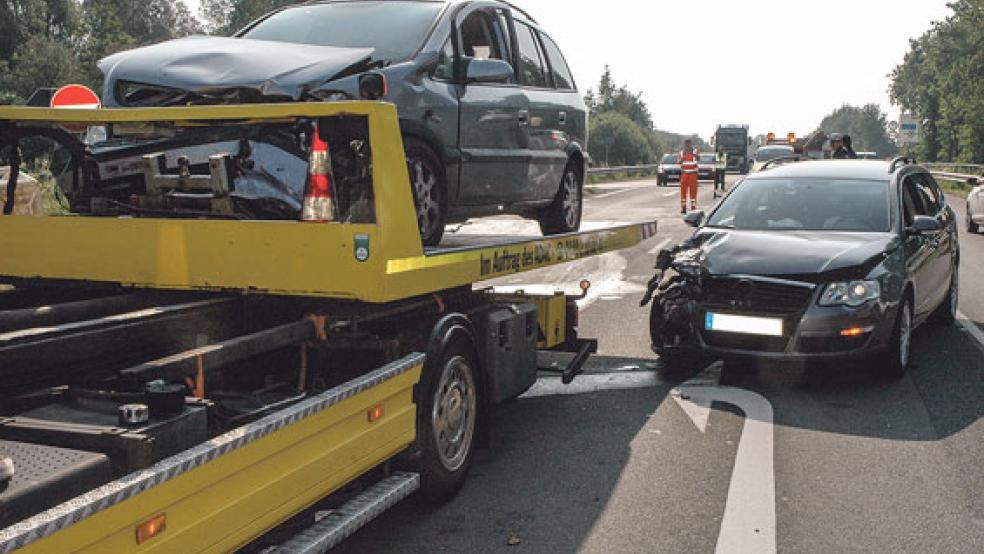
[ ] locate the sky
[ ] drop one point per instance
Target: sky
(776, 65)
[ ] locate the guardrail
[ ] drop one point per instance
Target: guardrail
(972, 170)
(622, 169)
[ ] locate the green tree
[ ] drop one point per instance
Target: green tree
(866, 125)
(225, 17)
(939, 80)
(617, 140)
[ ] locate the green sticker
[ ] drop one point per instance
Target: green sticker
(361, 247)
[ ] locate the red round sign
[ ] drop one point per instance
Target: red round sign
(75, 97)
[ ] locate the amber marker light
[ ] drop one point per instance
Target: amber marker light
(151, 528)
(376, 413)
(853, 331)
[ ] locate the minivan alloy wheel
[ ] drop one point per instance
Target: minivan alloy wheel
(425, 191)
(572, 198)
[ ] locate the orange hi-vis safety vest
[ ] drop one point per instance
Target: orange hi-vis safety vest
(688, 161)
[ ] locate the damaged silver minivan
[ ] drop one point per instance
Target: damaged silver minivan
(492, 121)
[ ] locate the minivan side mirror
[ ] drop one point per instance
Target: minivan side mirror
(923, 224)
(488, 71)
(694, 219)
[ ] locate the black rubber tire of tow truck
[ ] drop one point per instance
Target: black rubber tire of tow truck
(439, 480)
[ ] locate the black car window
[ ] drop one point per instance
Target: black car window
(398, 28)
(558, 66)
(931, 199)
(806, 204)
(445, 62)
(531, 67)
(912, 203)
(502, 23)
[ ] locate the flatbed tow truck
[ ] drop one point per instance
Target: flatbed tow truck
(176, 383)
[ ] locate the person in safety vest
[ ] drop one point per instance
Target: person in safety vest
(720, 170)
(688, 159)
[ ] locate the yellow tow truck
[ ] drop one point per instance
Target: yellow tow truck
(176, 377)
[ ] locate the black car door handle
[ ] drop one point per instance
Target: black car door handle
(524, 117)
(563, 118)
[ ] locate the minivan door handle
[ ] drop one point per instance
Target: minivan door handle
(524, 118)
(563, 118)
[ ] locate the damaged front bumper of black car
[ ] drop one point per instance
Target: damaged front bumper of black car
(738, 316)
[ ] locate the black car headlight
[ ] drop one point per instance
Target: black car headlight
(850, 293)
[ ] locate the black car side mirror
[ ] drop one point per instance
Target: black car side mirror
(973, 181)
(923, 224)
(694, 219)
(488, 71)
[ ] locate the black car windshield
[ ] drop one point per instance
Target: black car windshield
(394, 29)
(731, 139)
(806, 204)
(669, 159)
(767, 153)
(707, 158)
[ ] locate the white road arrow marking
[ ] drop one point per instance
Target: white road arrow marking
(749, 523)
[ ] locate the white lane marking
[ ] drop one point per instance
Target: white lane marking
(613, 193)
(971, 328)
(749, 522)
(592, 382)
(671, 193)
(660, 246)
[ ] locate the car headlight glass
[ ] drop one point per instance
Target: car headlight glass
(849, 293)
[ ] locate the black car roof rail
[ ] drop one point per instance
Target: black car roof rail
(904, 160)
(770, 163)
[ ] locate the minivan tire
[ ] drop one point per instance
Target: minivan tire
(563, 215)
(428, 184)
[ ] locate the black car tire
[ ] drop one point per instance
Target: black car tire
(440, 478)
(428, 184)
(971, 226)
(563, 215)
(894, 362)
(946, 313)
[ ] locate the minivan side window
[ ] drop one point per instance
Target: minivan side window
(532, 71)
(562, 77)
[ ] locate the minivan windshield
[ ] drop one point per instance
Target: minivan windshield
(394, 28)
(806, 204)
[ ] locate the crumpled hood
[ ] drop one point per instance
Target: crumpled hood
(208, 65)
(725, 252)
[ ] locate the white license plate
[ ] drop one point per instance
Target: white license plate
(743, 324)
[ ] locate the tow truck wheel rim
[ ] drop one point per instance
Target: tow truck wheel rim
(571, 199)
(424, 186)
(453, 415)
(905, 332)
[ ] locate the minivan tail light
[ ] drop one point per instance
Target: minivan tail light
(319, 203)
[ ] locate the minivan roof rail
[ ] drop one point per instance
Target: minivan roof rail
(900, 160)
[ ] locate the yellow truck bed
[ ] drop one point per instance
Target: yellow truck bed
(274, 257)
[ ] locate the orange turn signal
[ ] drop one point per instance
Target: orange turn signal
(375, 413)
(853, 332)
(151, 528)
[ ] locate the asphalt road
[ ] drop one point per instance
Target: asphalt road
(858, 463)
